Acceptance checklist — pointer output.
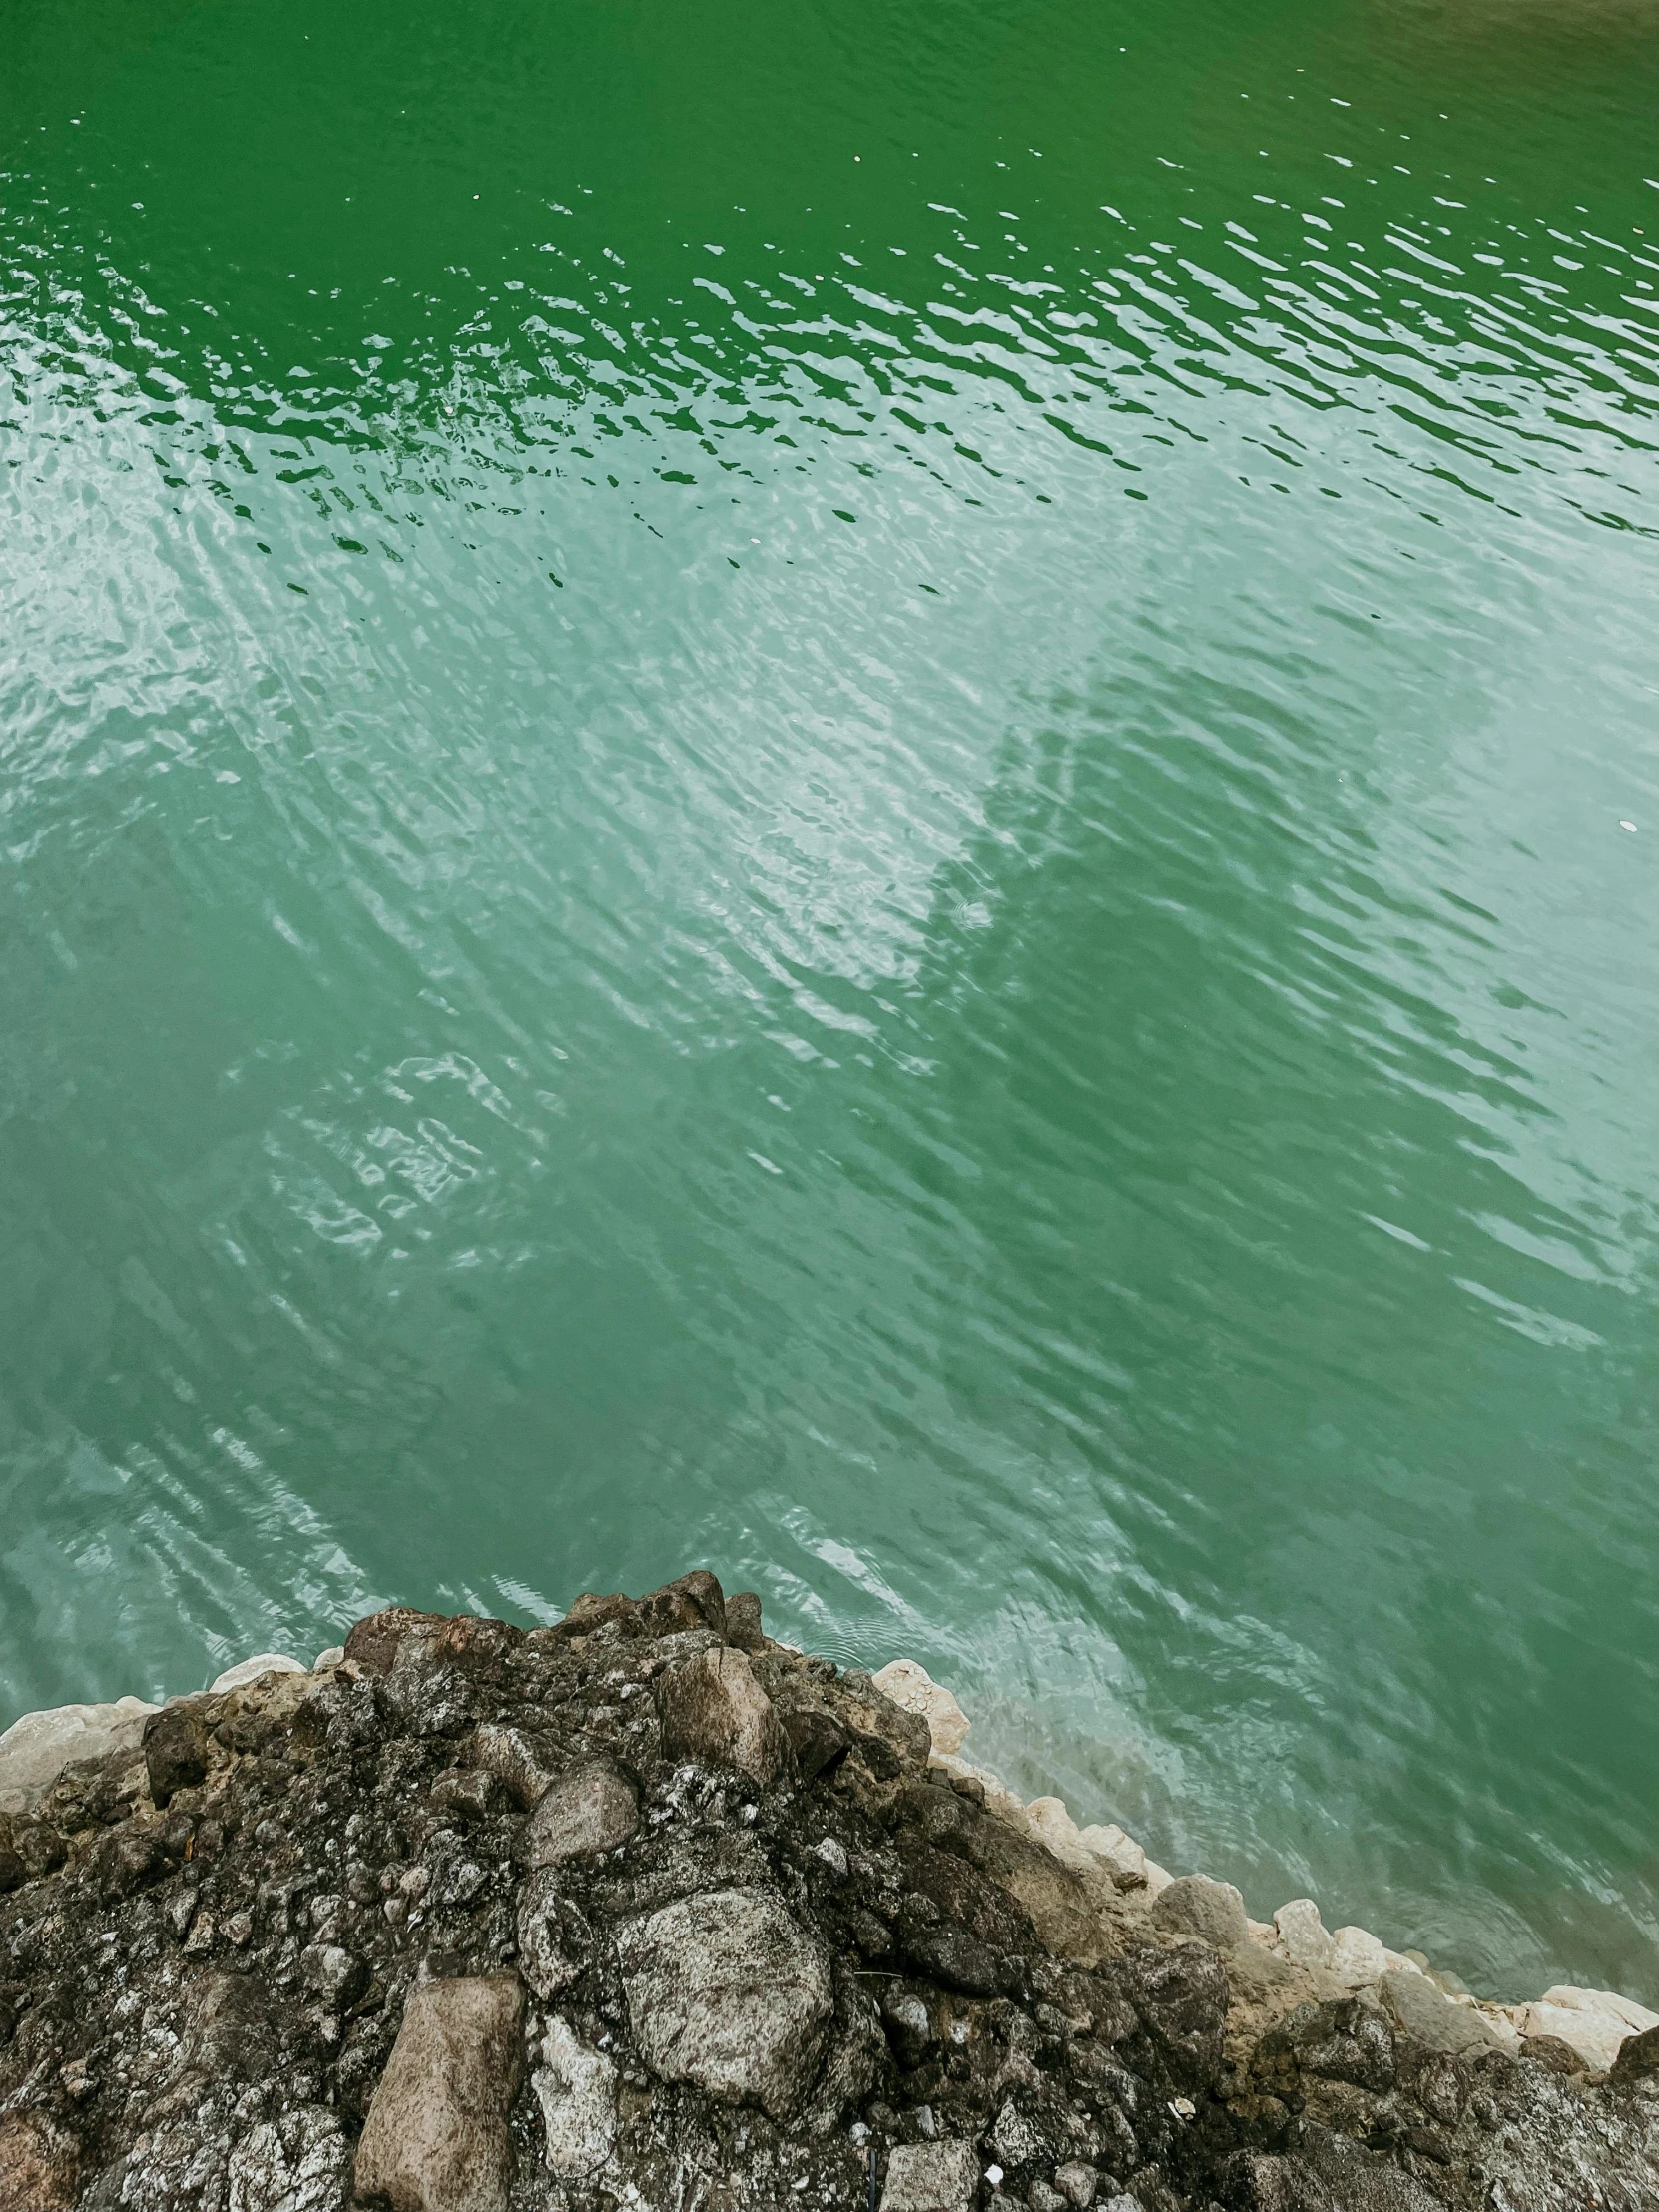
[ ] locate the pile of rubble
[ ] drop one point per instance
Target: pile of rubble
(645, 1911)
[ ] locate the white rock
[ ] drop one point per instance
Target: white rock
(1637, 2018)
(35, 1749)
(913, 1687)
(1595, 2036)
(1357, 1958)
(1399, 1963)
(1158, 1879)
(1303, 1936)
(575, 2089)
(1120, 1852)
(327, 1661)
(249, 1670)
(1052, 1824)
(1496, 2017)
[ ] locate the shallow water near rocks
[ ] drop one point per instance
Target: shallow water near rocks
(845, 794)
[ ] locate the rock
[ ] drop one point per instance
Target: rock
(516, 1760)
(1356, 1960)
(1637, 2018)
(693, 1601)
(1052, 1824)
(1302, 1935)
(724, 1989)
(1213, 1910)
(251, 1670)
(327, 1661)
(39, 2170)
(35, 1749)
(931, 2178)
(816, 1740)
(176, 1750)
(743, 1622)
(712, 1711)
(914, 1688)
(593, 1807)
(575, 2089)
(592, 1612)
(436, 2139)
(335, 1976)
(1158, 1879)
(1638, 2059)
(1077, 2183)
(1595, 2032)
(554, 1938)
(299, 2163)
(1429, 2017)
(1120, 1852)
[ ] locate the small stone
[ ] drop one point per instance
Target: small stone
(327, 1661)
(255, 1669)
(816, 1739)
(335, 1976)
(593, 1807)
(1303, 1936)
(575, 2089)
(436, 2137)
(694, 1600)
(834, 1855)
(914, 1688)
(1429, 2017)
(1077, 2183)
(1042, 2198)
(1357, 1958)
(1213, 1910)
(714, 1711)
(204, 1933)
(469, 1793)
(933, 2177)
(238, 1928)
(726, 1990)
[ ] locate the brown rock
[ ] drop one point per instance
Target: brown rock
(436, 2137)
(38, 2165)
(713, 1710)
(593, 1807)
(743, 1622)
(694, 1601)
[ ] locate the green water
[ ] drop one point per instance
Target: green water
(839, 792)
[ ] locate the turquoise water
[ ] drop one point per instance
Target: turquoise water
(842, 794)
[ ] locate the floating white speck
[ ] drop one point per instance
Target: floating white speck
(1630, 825)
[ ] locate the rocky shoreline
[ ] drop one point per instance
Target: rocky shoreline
(645, 1911)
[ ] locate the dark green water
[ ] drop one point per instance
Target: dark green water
(840, 792)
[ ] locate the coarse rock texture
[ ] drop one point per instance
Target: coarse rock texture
(645, 1913)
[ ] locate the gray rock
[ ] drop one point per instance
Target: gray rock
(1196, 1905)
(1638, 2059)
(593, 1807)
(334, 1975)
(575, 2086)
(714, 1711)
(436, 2139)
(1077, 2183)
(515, 1759)
(35, 1749)
(297, 2163)
(724, 1989)
(931, 2178)
(554, 1939)
(1303, 1936)
(1428, 2016)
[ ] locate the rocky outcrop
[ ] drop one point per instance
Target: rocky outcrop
(644, 1911)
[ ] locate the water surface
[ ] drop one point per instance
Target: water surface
(869, 795)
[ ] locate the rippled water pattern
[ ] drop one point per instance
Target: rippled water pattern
(871, 795)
